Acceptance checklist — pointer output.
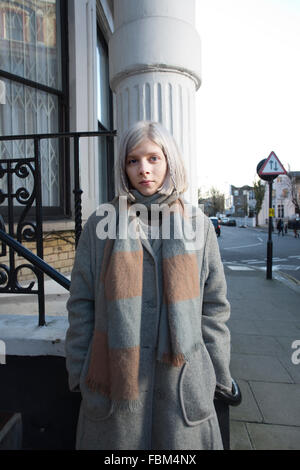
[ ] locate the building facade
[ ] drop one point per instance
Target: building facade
(241, 202)
(284, 189)
(87, 65)
(92, 65)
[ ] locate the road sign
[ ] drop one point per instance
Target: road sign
(272, 166)
(272, 212)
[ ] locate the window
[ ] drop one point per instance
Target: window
(103, 90)
(104, 115)
(280, 211)
(13, 26)
(34, 75)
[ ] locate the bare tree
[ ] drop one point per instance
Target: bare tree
(213, 201)
(217, 200)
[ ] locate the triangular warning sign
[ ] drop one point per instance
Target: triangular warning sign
(272, 166)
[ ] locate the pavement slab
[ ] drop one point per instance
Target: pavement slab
(243, 326)
(256, 344)
(240, 439)
(278, 328)
(279, 402)
(258, 367)
(270, 437)
(248, 410)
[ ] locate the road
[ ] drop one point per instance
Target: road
(246, 248)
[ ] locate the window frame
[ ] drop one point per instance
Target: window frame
(63, 210)
(101, 127)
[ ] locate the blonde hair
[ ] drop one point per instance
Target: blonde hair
(154, 131)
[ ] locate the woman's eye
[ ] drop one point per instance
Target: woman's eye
(154, 158)
(131, 160)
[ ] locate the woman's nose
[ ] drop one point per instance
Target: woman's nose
(143, 168)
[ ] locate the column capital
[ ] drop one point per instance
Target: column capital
(155, 43)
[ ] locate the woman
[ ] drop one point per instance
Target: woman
(147, 342)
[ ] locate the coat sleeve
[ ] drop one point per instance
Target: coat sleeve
(80, 308)
(216, 312)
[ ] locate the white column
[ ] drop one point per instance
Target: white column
(155, 70)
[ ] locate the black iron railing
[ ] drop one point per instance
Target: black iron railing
(26, 228)
(37, 262)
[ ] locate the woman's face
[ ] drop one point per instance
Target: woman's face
(146, 167)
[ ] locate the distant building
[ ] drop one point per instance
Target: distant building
(241, 201)
(281, 198)
(229, 208)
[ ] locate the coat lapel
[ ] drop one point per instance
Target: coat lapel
(156, 245)
(147, 245)
(152, 249)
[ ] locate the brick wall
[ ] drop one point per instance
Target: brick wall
(59, 252)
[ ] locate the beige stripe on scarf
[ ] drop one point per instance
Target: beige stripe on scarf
(114, 371)
(181, 279)
(124, 276)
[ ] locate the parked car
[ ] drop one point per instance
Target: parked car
(216, 223)
(229, 222)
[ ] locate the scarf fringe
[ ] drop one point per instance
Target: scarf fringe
(116, 405)
(126, 405)
(99, 387)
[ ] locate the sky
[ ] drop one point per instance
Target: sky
(248, 104)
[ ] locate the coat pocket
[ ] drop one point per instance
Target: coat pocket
(95, 406)
(197, 385)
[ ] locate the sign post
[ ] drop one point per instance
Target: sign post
(268, 169)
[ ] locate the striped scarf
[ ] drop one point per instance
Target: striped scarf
(115, 353)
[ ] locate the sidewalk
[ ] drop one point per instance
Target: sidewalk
(265, 229)
(265, 321)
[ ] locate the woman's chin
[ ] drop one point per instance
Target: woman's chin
(146, 191)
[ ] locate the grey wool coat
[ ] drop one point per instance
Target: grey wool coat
(178, 411)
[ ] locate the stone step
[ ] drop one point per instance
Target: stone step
(27, 304)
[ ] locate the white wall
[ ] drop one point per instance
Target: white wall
(279, 184)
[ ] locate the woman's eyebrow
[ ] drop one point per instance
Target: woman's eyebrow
(132, 155)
